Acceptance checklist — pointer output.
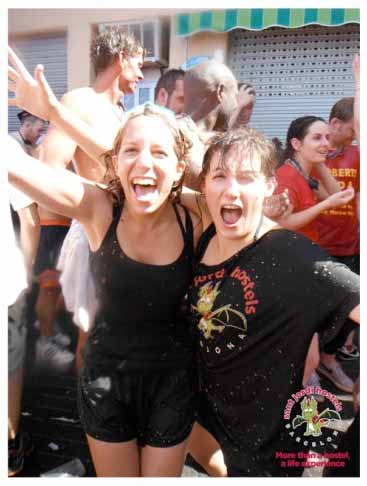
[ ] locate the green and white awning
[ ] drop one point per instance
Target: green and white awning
(261, 18)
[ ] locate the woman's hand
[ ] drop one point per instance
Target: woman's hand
(339, 198)
(277, 205)
(31, 94)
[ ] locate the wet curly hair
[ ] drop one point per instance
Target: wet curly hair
(181, 148)
(106, 47)
(239, 144)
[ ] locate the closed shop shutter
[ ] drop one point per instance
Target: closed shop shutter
(51, 51)
(295, 72)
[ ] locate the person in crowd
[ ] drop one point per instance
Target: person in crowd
(29, 133)
(169, 90)
(259, 294)
(246, 101)
(41, 234)
(15, 287)
(136, 393)
(27, 136)
(117, 58)
(213, 84)
(339, 229)
(51, 346)
(307, 145)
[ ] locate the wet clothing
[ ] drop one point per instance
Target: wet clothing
(255, 315)
(140, 343)
(300, 194)
(338, 228)
(156, 409)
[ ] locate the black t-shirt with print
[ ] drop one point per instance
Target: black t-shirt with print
(255, 315)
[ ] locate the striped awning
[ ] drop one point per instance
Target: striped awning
(261, 18)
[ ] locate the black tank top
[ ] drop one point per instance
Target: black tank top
(141, 323)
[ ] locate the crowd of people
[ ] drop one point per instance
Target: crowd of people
(209, 271)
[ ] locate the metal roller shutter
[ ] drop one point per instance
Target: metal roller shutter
(51, 51)
(295, 72)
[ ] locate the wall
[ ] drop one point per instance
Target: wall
(202, 44)
(79, 25)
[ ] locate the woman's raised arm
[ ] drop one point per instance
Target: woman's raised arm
(35, 95)
(58, 190)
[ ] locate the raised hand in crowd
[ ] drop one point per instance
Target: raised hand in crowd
(32, 94)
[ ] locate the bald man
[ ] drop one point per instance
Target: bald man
(210, 96)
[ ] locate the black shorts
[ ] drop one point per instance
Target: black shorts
(51, 240)
(352, 262)
(156, 409)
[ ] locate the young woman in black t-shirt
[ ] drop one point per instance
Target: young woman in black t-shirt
(136, 394)
(259, 294)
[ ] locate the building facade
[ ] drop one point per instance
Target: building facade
(299, 60)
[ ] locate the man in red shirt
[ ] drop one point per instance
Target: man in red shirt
(338, 228)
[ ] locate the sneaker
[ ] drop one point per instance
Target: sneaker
(348, 353)
(336, 375)
(48, 353)
(61, 340)
(18, 448)
(314, 380)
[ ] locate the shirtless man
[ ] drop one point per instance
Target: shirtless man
(169, 90)
(117, 60)
(210, 96)
(210, 100)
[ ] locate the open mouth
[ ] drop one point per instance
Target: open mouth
(145, 189)
(230, 214)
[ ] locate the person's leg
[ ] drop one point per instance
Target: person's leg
(19, 443)
(331, 369)
(82, 338)
(312, 359)
(163, 462)
(15, 388)
(207, 452)
(329, 366)
(17, 333)
(114, 459)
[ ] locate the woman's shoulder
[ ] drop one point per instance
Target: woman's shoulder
(196, 220)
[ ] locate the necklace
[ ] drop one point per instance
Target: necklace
(312, 183)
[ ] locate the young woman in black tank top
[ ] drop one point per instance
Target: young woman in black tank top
(136, 392)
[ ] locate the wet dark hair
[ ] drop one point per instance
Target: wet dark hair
(239, 144)
(278, 150)
(106, 47)
(181, 148)
(343, 110)
(298, 129)
(168, 81)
